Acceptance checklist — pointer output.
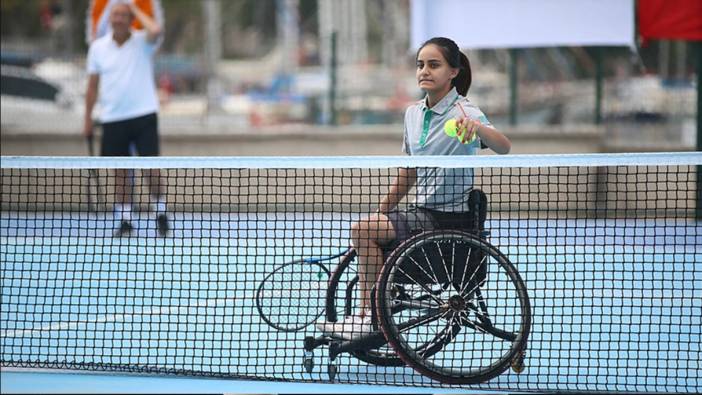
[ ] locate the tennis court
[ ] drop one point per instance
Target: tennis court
(27, 381)
(615, 299)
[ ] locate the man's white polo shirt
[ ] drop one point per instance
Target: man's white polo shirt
(127, 87)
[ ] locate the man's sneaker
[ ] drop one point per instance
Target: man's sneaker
(162, 222)
(350, 328)
(125, 229)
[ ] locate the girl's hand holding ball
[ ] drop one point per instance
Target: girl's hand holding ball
(465, 129)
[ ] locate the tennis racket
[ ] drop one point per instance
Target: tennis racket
(293, 295)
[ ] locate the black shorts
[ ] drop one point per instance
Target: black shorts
(415, 220)
(142, 132)
(410, 222)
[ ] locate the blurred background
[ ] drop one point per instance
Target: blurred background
(316, 77)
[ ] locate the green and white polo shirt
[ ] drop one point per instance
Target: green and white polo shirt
(441, 189)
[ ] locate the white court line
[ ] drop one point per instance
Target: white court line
(80, 241)
(59, 326)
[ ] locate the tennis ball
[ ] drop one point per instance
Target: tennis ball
(452, 131)
(450, 127)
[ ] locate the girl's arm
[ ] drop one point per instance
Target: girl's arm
(401, 185)
(493, 138)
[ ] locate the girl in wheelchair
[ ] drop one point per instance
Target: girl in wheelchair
(441, 198)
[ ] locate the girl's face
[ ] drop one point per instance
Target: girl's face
(434, 74)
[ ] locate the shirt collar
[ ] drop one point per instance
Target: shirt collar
(444, 104)
(114, 42)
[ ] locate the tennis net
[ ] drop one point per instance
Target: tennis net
(589, 275)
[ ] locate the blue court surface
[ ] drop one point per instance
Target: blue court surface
(28, 381)
(616, 304)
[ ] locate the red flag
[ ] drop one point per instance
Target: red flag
(670, 19)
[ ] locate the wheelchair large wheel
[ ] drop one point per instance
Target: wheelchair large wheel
(341, 301)
(468, 315)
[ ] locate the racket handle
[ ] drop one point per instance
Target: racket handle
(89, 141)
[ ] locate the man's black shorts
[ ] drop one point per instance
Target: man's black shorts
(141, 131)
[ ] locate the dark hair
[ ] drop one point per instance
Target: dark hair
(456, 59)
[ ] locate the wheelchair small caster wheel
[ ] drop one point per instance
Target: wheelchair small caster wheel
(331, 371)
(518, 363)
(308, 363)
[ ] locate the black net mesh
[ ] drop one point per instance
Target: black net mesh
(582, 277)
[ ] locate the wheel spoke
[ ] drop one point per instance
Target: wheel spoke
(431, 267)
(416, 304)
(482, 316)
(442, 338)
(421, 320)
(421, 285)
(464, 284)
(443, 261)
(487, 329)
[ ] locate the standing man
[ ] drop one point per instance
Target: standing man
(121, 76)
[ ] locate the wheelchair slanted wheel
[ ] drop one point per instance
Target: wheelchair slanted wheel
(341, 299)
(331, 371)
(308, 361)
(467, 315)
(518, 362)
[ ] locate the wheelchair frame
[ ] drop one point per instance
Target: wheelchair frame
(386, 345)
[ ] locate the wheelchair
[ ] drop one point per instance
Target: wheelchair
(446, 303)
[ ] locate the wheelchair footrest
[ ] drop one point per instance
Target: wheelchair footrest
(313, 342)
(366, 342)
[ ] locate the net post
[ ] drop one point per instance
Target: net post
(698, 209)
(513, 86)
(333, 80)
(599, 81)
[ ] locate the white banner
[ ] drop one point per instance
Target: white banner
(524, 23)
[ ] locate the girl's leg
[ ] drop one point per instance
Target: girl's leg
(368, 235)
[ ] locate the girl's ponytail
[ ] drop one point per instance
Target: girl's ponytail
(465, 76)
